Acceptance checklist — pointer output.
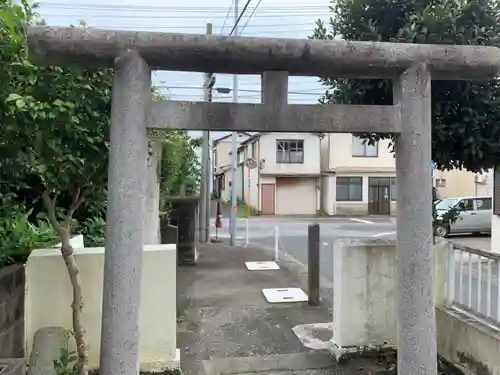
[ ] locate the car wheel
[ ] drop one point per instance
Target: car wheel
(442, 230)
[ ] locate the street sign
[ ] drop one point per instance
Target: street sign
(251, 163)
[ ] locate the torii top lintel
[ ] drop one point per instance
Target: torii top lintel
(245, 55)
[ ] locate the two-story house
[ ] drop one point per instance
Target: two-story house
(357, 178)
(279, 173)
(221, 160)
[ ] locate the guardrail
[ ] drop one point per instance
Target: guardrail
(473, 282)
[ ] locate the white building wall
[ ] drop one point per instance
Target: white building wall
(311, 163)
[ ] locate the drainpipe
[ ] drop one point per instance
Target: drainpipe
(258, 177)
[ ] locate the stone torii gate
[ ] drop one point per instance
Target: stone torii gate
(134, 54)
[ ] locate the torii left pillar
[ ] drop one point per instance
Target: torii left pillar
(125, 216)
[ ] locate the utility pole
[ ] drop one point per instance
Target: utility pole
(204, 225)
(234, 148)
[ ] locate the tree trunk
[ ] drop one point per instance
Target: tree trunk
(77, 305)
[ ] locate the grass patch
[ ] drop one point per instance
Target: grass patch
(242, 209)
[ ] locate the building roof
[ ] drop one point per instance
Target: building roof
(215, 141)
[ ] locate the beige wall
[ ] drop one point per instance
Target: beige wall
(336, 150)
(49, 295)
(222, 149)
(457, 183)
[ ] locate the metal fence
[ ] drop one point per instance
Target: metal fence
(473, 282)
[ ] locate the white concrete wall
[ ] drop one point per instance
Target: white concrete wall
(495, 233)
(364, 305)
(75, 241)
(340, 153)
(365, 310)
(311, 163)
(49, 296)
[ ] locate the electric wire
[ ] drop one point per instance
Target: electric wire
(270, 12)
(227, 17)
(239, 17)
(156, 9)
(250, 17)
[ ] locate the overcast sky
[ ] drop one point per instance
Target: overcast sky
(272, 18)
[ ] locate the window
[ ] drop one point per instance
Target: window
(241, 157)
(440, 182)
(254, 150)
(361, 148)
(466, 204)
(290, 151)
(483, 203)
(349, 189)
(394, 189)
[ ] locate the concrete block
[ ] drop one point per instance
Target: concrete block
(364, 310)
(76, 242)
(49, 295)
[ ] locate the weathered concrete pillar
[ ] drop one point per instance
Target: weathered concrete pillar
(152, 219)
(417, 351)
(125, 217)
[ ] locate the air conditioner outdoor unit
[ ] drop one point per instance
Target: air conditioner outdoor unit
(480, 178)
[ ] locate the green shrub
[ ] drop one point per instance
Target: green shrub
(19, 236)
(93, 230)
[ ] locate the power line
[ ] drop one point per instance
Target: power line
(227, 16)
(199, 16)
(301, 92)
(239, 17)
(285, 32)
(250, 17)
(155, 9)
(199, 28)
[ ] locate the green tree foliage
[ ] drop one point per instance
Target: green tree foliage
(465, 115)
(53, 147)
(180, 167)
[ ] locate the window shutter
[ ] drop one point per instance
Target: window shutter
(496, 191)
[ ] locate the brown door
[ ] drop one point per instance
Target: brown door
(268, 199)
(379, 195)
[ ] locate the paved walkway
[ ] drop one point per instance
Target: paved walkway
(226, 326)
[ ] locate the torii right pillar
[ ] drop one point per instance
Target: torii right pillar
(415, 293)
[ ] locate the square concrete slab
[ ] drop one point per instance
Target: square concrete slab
(284, 295)
(262, 266)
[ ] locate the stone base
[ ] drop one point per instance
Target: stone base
(160, 366)
(341, 353)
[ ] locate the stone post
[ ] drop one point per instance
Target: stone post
(125, 216)
(417, 351)
(152, 219)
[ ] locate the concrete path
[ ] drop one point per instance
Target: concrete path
(225, 325)
(292, 234)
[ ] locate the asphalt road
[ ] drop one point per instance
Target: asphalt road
(293, 240)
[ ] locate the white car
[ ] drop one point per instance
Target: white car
(474, 215)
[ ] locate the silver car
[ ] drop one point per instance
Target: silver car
(474, 215)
